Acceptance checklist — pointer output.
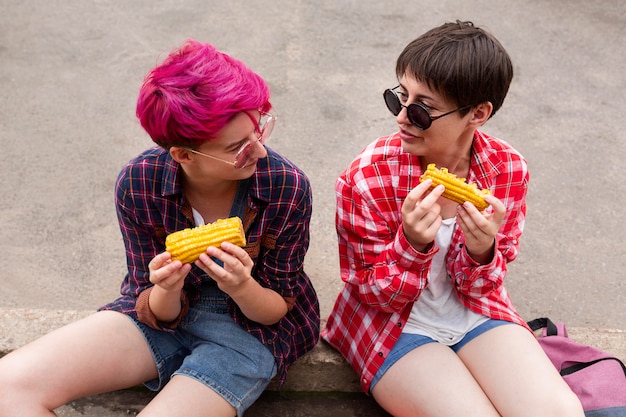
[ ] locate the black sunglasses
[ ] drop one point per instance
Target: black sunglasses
(417, 113)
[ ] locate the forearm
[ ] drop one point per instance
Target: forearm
(165, 305)
(477, 280)
(482, 256)
(258, 303)
(387, 279)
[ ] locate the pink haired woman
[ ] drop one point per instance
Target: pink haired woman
(208, 336)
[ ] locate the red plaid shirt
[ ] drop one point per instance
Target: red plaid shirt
(384, 275)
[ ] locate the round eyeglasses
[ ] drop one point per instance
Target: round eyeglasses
(417, 113)
(242, 157)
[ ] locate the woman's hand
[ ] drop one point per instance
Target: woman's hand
(421, 215)
(480, 228)
(168, 278)
(258, 303)
(237, 269)
(167, 274)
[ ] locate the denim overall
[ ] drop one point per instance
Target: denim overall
(210, 347)
(211, 297)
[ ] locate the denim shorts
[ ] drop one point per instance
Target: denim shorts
(210, 347)
(408, 341)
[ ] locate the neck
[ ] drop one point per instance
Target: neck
(208, 188)
(212, 199)
(455, 163)
(455, 158)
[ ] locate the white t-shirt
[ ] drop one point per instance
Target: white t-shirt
(438, 313)
(197, 217)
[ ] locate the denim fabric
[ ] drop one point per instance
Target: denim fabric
(407, 342)
(210, 347)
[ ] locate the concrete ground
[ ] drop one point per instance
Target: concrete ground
(69, 75)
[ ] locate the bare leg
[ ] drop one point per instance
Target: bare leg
(520, 380)
(431, 381)
(101, 353)
(186, 397)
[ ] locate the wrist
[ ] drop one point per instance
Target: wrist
(165, 304)
(418, 246)
(241, 289)
(482, 257)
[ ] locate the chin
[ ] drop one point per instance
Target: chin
(415, 147)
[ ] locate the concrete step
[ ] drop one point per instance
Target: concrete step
(320, 383)
(275, 404)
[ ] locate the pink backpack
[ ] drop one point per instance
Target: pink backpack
(596, 377)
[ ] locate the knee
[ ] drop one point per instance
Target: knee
(16, 388)
(8, 387)
(566, 404)
(558, 401)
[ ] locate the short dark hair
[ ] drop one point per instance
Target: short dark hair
(465, 64)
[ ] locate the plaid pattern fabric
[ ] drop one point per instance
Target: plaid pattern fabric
(150, 205)
(384, 275)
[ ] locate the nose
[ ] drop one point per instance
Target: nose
(259, 149)
(254, 151)
(402, 117)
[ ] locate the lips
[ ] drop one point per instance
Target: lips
(250, 163)
(408, 137)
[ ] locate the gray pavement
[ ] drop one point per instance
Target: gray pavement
(70, 71)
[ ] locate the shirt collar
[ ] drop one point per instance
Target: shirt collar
(485, 160)
(261, 181)
(171, 183)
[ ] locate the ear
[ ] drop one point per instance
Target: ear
(180, 155)
(481, 113)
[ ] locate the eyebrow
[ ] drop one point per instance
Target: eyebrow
(236, 145)
(421, 97)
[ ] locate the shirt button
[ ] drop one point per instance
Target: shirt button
(380, 354)
(399, 324)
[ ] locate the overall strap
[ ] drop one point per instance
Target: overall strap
(241, 199)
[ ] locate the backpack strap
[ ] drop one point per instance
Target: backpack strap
(582, 365)
(544, 322)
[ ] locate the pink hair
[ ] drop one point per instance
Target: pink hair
(195, 92)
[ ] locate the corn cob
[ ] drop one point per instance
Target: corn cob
(457, 189)
(187, 245)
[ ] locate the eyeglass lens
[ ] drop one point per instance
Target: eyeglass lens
(266, 125)
(417, 115)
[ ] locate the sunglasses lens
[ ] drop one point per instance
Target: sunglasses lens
(418, 116)
(393, 102)
(266, 126)
(243, 156)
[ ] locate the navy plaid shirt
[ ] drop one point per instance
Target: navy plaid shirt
(150, 205)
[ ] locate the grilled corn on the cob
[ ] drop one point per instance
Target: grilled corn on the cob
(457, 189)
(187, 245)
